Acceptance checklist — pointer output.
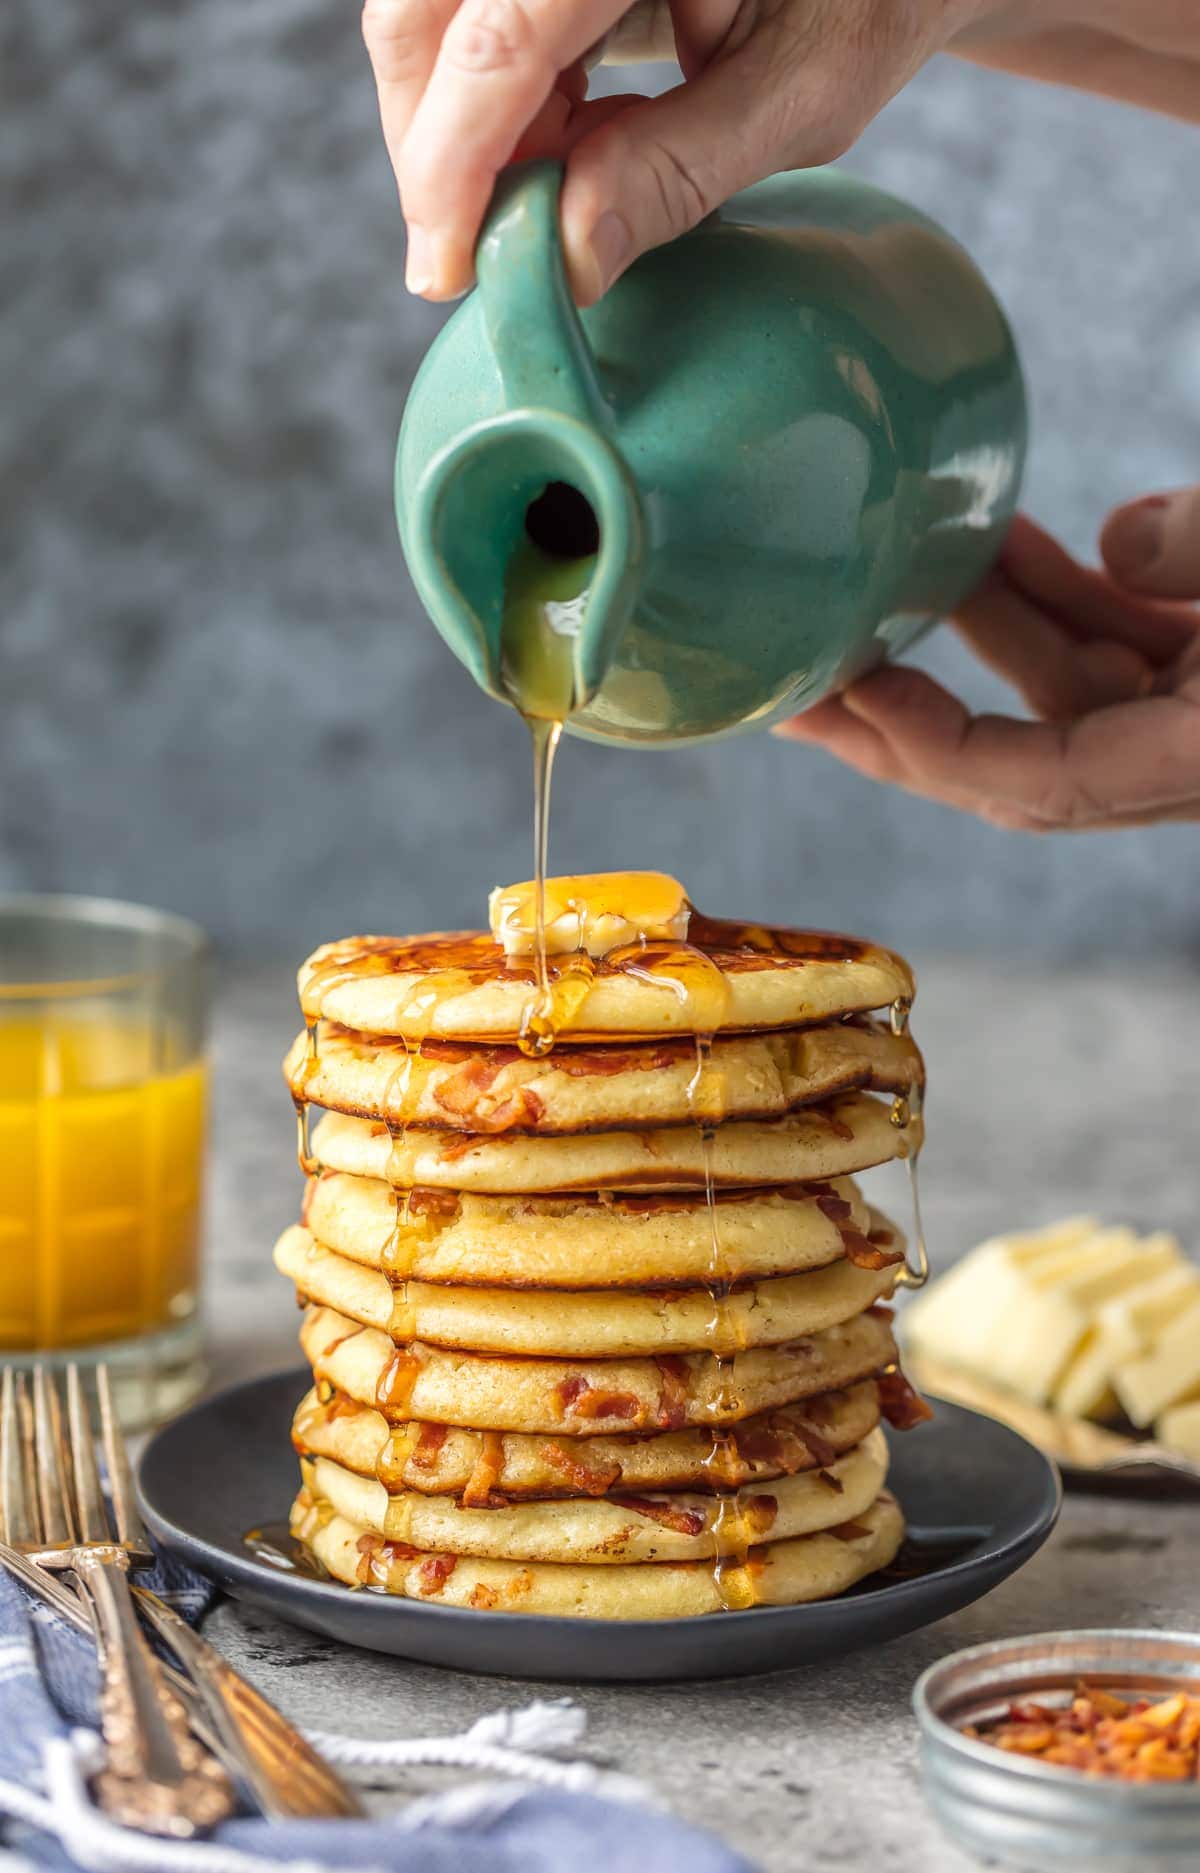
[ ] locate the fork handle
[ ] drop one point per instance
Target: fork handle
(156, 1777)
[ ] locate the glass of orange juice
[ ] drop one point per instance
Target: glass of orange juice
(103, 1093)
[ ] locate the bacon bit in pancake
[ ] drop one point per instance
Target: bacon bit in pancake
(863, 1251)
(580, 1399)
(396, 1381)
(681, 1521)
(672, 1391)
(485, 1473)
(422, 1201)
(1105, 1736)
(848, 1531)
(485, 1598)
(430, 1438)
(832, 1482)
(464, 1097)
(376, 1556)
(838, 1127)
(456, 1148)
(821, 1409)
(900, 1403)
(879, 1310)
(589, 1479)
(435, 1571)
(760, 1512)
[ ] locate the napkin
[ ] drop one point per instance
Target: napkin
(558, 1814)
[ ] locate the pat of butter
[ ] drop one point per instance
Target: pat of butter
(1169, 1374)
(596, 912)
(1179, 1429)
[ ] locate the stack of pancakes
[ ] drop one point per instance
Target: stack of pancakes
(600, 1332)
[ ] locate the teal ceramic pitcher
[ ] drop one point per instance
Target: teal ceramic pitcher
(793, 437)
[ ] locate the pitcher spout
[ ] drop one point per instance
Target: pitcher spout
(529, 517)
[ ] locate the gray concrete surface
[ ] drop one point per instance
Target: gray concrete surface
(217, 691)
(1049, 1092)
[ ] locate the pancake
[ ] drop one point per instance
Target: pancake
(497, 1467)
(783, 1573)
(586, 1398)
(452, 1086)
(728, 977)
(583, 1242)
(849, 1134)
(597, 1323)
(614, 1529)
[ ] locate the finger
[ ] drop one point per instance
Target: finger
(496, 66)
(1087, 603)
(402, 39)
(772, 100)
(863, 747)
(1057, 675)
(1153, 545)
(1136, 757)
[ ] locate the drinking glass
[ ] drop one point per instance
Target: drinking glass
(103, 1096)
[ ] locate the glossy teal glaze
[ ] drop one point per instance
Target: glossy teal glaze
(801, 428)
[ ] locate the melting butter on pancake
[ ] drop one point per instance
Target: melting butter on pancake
(583, 1242)
(594, 1323)
(849, 1134)
(782, 1573)
(592, 911)
(494, 1467)
(585, 1397)
(607, 1531)
(727, 977)
(452, 1086)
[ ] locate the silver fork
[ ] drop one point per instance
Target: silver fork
(156, 1775)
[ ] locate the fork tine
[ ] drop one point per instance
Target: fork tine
(17, 1523)
(53, 1490)
(90, 1509)
(131, 1532)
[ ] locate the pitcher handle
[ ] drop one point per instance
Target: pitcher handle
(532, 321)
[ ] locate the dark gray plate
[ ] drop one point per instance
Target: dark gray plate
(978, 1498)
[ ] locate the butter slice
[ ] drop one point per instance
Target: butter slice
(1179, 1429)
(596, 912)
(1168, 1374)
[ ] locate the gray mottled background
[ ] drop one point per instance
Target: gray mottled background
(217, 691)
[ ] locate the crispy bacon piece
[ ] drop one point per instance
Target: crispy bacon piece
(900, 1403)
(377, 1555)
(682, 1521)
(848, 1531)
(1135, 1740)
(589, 1479)
(435, 1570)
(881, 1311)
(863, 1251)
(464, 1097)
(759, 1512)
(423, 1201)
(479, 1486)
(425, 1451)
(832, 1482)
(580, 1399)
(672, 1391)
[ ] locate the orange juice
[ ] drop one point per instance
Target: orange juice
(101, 1148)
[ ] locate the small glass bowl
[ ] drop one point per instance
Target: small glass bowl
(1041, 1816)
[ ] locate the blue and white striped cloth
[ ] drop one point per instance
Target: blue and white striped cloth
(48, 1747)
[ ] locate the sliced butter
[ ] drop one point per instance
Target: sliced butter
(1168, 1374)
(1179, 1429)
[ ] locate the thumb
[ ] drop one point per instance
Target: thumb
(653, 169)
(1153, 545)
